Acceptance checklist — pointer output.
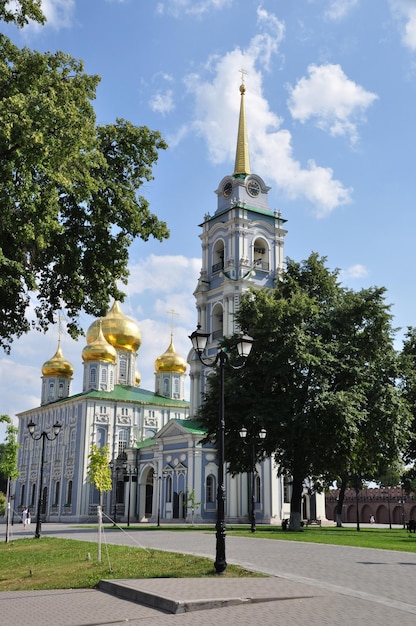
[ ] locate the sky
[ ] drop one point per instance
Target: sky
(330, 108)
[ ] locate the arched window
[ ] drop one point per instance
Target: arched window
(123, 368)
(69, 493)
(22, 495)
(51, 390)
(257, 489)
(104, 378)
(176, 384)
(210, 489)
(93, 375)
(169, 489)
(261, 255)
(218, 257)
(61, 390)
(217, 322)
(101, 437)
(57, 493)
(32, 499)
(122, 440)
(166, 386)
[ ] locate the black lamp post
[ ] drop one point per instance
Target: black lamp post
(388, 505)
(199, 341)
(253, 441)
(43, 435)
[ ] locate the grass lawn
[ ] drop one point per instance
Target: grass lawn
(379, 538)
(52, 563)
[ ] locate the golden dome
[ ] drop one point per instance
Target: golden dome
(118, 329)
(138, 379)
(99, 349)
(57, 366)
(170, 361)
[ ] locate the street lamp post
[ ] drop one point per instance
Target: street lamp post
(50, 437)
(159, 480)
(388, 505)
(199, 341)
(253, 441)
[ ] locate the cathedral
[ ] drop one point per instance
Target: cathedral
(160, 470)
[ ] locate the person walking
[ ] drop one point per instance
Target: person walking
(24, 517)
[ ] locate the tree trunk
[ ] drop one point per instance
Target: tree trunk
(295, 504)
(340, 503)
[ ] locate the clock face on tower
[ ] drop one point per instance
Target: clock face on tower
(228, 188)
(253, 188)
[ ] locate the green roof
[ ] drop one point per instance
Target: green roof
(192, 426)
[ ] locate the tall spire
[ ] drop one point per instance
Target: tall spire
(242, 159)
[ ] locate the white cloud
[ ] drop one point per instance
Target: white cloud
(334, 102)
(271, 151)
(338, 9)
(198, 8)
(162, 102)
(354, 272)
(58, 13)
(405, 13)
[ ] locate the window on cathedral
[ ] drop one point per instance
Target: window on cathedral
(51, 390)
(57, 493)
(218, 257)
(122, 440)
(287, 489)
(124, 411)
(166, 386)
(61, 390)
(261, 255)
(176, 385)
(169, 489)
(257, 490)
(69, 493)
(104, 376)
(217, 322)
(210, 489)
(101, 437)
(32, 499)
(123, 368)
(22, 495)
(93, 375)
(72, 441)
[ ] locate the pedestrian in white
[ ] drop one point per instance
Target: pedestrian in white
(24, 517)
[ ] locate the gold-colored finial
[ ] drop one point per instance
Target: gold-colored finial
(242, 159)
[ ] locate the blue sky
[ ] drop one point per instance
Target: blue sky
(330, 106)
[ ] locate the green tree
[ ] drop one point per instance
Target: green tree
(311, 380)
(69, 192)
(20, 12)
(407, 383)
(99, 473)
(8, 462)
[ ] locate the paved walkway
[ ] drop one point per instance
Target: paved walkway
(309, 585)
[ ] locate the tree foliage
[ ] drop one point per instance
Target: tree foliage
(20, 12)
(69, 191)
(98, 470)
(9, 450)
(320, 379)
(408, 390)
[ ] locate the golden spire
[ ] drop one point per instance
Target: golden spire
(242, 159)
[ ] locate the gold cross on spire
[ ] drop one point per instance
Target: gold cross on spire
(242, 75)
(172, 313)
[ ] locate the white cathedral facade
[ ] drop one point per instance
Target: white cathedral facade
(161, 471)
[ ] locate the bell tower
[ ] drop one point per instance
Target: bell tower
(242, 247)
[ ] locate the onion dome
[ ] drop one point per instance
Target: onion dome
(120, 331)
(99, 349)
(138, 379)
(170, 361)
(58, 366)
